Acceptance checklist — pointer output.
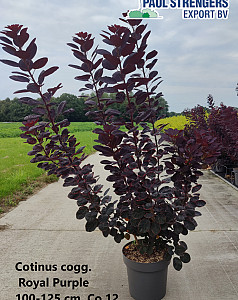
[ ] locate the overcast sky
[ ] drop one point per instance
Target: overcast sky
(196, 57)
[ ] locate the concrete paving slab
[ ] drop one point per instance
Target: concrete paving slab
(43, 233)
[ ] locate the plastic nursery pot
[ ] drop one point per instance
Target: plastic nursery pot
(219, 168)
(235, 170)
(147, 281)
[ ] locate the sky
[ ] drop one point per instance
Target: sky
(196, 57)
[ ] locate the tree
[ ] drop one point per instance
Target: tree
(13, 110)
(78, 115)
(164, 112)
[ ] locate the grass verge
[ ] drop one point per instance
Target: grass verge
(27, 189)
(19, 178)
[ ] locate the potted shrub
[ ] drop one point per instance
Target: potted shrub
(154, 173)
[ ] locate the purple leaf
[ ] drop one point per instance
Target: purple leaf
(169, 165)
(78, 41)
(73, 45)
(19, 78)
(33, 88)
(151, 65)
(115, 40)
(111, 111)
(21, 39)
(68, 111)
(98, 74)
(21, 91)
(31, 140)
(136, 36)
(196, 188)
(79, 55)
(5, 40)
(83, 89)
(86, 46)
(75, 67)
(141, 98)
(40, 63)
(82, 77)
(200, 203)
(144, 39)
(145, 115)
(112, 59)
(118, 76)
(153, 74)
(87, 67)
(39, 110)
(151, 54)
(108, 80)
(10, 62)
(144, 225)
(127, 49)
(128, 69)
(61, 107)
(29, 101)
(90, 102)
(102, 51)
(41, 77)
(156, 79)
(133, 58)
(89, 86)
(106, 151)
(155, 86)
(110, 89)
(50, 71)
(97, 64)
(134, 22)
(25, 65)
(120, 97)
(31, 50)
(10, 50)
(121, 86)
(107, 65)
(140, 29)
(81, 212)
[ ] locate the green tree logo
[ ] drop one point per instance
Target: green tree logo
(135, 14)
(145, 13)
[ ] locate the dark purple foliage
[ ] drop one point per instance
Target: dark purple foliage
(222, 124)
(154, 174)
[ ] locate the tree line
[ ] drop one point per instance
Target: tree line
(15, 111)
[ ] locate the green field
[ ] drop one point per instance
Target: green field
(10, 130)
(15, 167)
(17, 173)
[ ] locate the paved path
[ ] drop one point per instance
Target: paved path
(43, 231)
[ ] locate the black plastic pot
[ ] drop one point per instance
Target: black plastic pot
(147, 281)
(235, 170)
(219, 169)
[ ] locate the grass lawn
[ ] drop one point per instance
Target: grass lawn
(15, 166)
(18, 176)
